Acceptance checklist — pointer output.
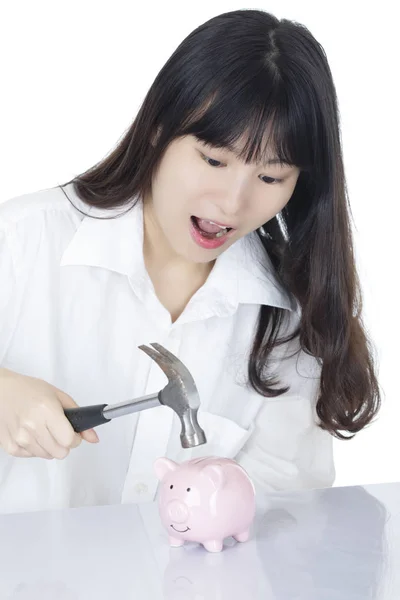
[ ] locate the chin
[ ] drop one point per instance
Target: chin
(200, 256)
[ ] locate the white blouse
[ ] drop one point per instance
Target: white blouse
(76, 302)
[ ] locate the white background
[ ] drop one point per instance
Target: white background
(74, 74)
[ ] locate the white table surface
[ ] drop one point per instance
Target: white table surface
(339, 543)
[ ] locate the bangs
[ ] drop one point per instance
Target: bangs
(258, 127)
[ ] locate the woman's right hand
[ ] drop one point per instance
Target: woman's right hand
(32, 419)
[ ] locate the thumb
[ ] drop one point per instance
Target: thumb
(67, 402)
(90, 436)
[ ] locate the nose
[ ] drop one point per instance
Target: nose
(232, 198)
(177, 511)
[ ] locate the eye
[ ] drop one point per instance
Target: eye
(270, 180)
(188, 490)
(170, 487)
(211, 161)
(216, 163)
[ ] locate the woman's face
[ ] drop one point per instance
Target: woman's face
(195, 184)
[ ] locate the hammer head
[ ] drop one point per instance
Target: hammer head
(180, 394)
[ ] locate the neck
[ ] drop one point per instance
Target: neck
(175, 279)
(160, 255)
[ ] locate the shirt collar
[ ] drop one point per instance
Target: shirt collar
(110, 243)
(243, 274)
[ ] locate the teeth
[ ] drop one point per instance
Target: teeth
(224, 230)
(221, 226)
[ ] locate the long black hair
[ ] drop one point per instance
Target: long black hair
(247, 72)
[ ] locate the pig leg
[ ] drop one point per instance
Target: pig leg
(242, 537)
(175, 542)
(213, 545)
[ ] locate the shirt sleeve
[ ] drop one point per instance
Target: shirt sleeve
(287, 450)
(8, 290)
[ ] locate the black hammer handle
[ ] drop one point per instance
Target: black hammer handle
(86, 417)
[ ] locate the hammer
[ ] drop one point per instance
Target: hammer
(180, 394)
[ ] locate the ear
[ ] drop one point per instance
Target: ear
(164, 465)
(215, 473)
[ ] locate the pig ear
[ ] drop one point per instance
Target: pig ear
(215, 473)
(164, 465)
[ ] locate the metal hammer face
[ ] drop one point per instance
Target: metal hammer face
(180, 394)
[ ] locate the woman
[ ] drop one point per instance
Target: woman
(219, 228)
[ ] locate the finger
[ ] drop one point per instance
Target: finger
(25, 440)
(69, 438)
(90, 436)
(36, 450)
(8, 444)
(77, 441)
(50, 444)
(22, 453)
(59, 426)
(67, 402)
(13, 449)
(62, 432)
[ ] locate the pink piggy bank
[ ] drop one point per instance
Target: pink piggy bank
(205, 500)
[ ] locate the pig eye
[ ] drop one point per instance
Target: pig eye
(188, 490)
(170, 487)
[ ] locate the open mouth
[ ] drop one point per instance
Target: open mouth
(209, 229)
(179, 530)
(209, 234)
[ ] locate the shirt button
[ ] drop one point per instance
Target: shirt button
(141, 488)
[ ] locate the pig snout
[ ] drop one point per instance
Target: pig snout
(177, 511)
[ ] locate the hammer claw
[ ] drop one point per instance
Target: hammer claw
(169, 363)
(174, 362)
(166, 354)
(164, 364)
